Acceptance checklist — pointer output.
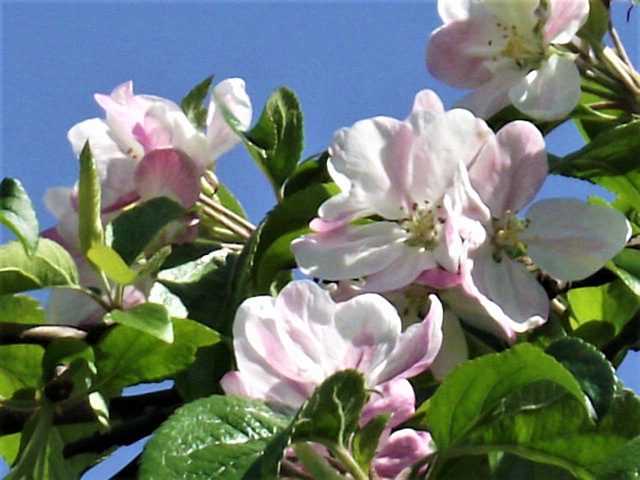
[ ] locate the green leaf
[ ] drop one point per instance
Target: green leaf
(126, 356)
(611, 153)
(21, 309)
(472, 391)
(590, 368)
(624, 465)
(626, 264)
(612, 303)
(276, 141)
(192, 104)
(513, 467)
(332, 412)
(365, 441)
(112, 264)
(64, 351)
(597, 23)
(17, 214)
(89, 224)
(50, 266)
(150, 318)
(135, 228)
(216, 437)
(312, 171)
(20, 368)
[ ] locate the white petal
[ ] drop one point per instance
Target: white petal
(452, 10)
(492, 96)
(551, 92)
(229, 99)
(454, 348)
(571, 239)
(103, 146)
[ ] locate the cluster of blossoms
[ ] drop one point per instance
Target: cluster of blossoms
(146, 147)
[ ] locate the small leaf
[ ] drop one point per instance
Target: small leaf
(135, 228)
(216, 437)
(365, 441)
(590, 367)
(150, 318)
(312, 171)
(50, 266)
(126, 356)
(17, 213)
(192, 104)
(112, 264)
(332, 412)
(597, 23)
(89, 224)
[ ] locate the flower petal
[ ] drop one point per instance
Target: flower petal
(551, 92)
(454, 349)
(492, 96)
(230, 96)
(564, 19)
(396, 397)
(401, 451)
(571, 239)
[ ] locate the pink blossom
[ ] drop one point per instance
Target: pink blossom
(509, 52)
(410, 176)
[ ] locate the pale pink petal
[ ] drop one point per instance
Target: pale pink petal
(451, 10)
(168, 173)
(571, 239)
(510, 169)
(456, 136)
(454, 349)
(229, 97)
(564, 19)
(492, 96)
(426, 107)
(342, 209)
(402, 271)
(404, 448)
(58, 200)
(102, 145)
(417, 347)
(71, 307)
(233, 383)
(396, 397)
(439, 279)
(457, 53)
(349, 252)
(551, 92)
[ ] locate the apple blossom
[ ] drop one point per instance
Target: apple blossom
(411, 178)
(566, 238)
(509, 52)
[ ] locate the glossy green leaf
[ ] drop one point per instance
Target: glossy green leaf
(276, 141)
(216, 437)
(20, 309)
(20, 368)
(332, 412)
(626, 265)
(589, 367)
(126, 356)
(135, 228)
(50, 266)
(624, 465)
(17, 213)
(365, 441)
(513, 467)
(612, 303)
(64, 351)
(611, 153)
(111, 263)
(150, 318)
(476, 388)
(312, 171)
(90, 231)
(192, 104)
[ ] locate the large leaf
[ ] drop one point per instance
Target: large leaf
(276, 141)
(126, 356)
(134, 229)
(50, 266)
(472, 392)
(150, 318)
(216, 437)
(20, 309)
(624, 465)
(20, 368)
(17, 213)
(192, 104)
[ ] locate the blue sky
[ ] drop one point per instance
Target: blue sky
(345, 60)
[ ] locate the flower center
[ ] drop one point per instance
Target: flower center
(505, 238)
(527, 51)
(424, 226)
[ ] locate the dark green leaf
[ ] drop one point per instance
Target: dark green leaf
(126, 356)
(50, 266)
(217, 437)
(365, 441)
(17, 213)
(276, 141)
(589, 366)
(64, 351)
(134, 229)
(612, 153)
(514, 467)
(332, 412)
(150, 318)
(312, 171)
(89, 223)
(597, 23)
(472, 391)
(192, 104)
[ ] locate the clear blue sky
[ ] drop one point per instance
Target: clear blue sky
(345, 60)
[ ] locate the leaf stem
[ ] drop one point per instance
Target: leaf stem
(343, 455)
(315, 464)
